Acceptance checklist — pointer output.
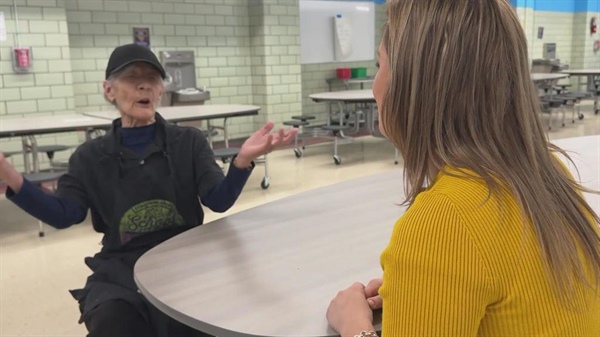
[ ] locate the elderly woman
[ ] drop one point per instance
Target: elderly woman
(498, 240)
(141, 182)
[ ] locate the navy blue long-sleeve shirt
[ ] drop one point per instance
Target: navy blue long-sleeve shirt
(62, 213)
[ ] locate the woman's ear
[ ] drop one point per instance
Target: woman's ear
(160, 94)
(109, 91)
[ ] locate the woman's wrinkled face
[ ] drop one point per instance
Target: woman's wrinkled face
(381, 81)
(136, 91)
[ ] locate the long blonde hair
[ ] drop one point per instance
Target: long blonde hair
(460, 94)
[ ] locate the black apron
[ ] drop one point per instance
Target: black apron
(145, 215)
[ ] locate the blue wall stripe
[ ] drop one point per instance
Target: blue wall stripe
(567, 6)
(564, 6)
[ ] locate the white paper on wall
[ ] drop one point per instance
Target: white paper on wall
(2, 27)
(343, 37)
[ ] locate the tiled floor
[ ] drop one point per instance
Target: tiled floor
(35, 274)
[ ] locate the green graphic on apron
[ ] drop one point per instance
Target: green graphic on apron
(148, 216)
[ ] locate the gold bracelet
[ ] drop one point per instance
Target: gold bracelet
(367, 334)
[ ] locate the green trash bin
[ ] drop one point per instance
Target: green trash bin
(360, 72)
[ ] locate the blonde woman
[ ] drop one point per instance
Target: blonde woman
(498, 240)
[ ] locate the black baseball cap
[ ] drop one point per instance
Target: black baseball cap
(125, 55)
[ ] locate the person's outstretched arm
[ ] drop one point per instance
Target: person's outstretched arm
(58, 212)
(218, 193)
(225, 194)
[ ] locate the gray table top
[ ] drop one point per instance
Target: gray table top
(366, 96)
(232, 276)
(272, 270)
(188, 113)
(348, 96)
(538, 77)
(582, 72)
(26, 126)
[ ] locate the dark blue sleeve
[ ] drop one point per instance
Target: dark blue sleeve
(51, 209)
(224, 195)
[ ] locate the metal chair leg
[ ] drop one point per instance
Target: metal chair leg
(41, 232)
(336, 159)
(266, 182)
(335, 145)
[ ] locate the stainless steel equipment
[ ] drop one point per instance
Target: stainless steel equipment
(181, 68)
(549, 63)
(550, 51)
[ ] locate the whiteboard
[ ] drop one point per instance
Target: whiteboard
(317, 30)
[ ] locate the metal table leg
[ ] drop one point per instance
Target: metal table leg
(26, 147)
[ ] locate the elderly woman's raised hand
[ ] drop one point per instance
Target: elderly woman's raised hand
(263, 142)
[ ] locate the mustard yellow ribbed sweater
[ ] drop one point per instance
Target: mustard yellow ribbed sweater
(453, 267)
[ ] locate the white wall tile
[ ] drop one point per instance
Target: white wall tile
(224, 10)
(21, 107)
(106, 41)
(90, 5)
(85, 89)
(96, 99)
(28, 13)
(57, 40)
(185, 30)
(59, 91)
(54, 104)
(32, 40)
(159, 7)
(79, 16)
(41, 3)
(54, 14)
(18, 80)
(60, 65)
(10, 94)
(205, 9)
(153, 18)
(176, 41)
(197, 41)
(48, 79)
(139, 7)
(182, 8)
(196, 20)
(225, 31)
(215, 20)
(104, 17)
(206, 31)
(83, 64)
(11, 26)
(129, 17)
(219, 41)
(6, 66)
(164, 30)
(118, 29)
(81, 101)
(35, 92)
(94, 76)
(68, 78)
(8, 15)
(174, 19)
(116, 6)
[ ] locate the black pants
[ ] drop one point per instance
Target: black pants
(118, 318)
